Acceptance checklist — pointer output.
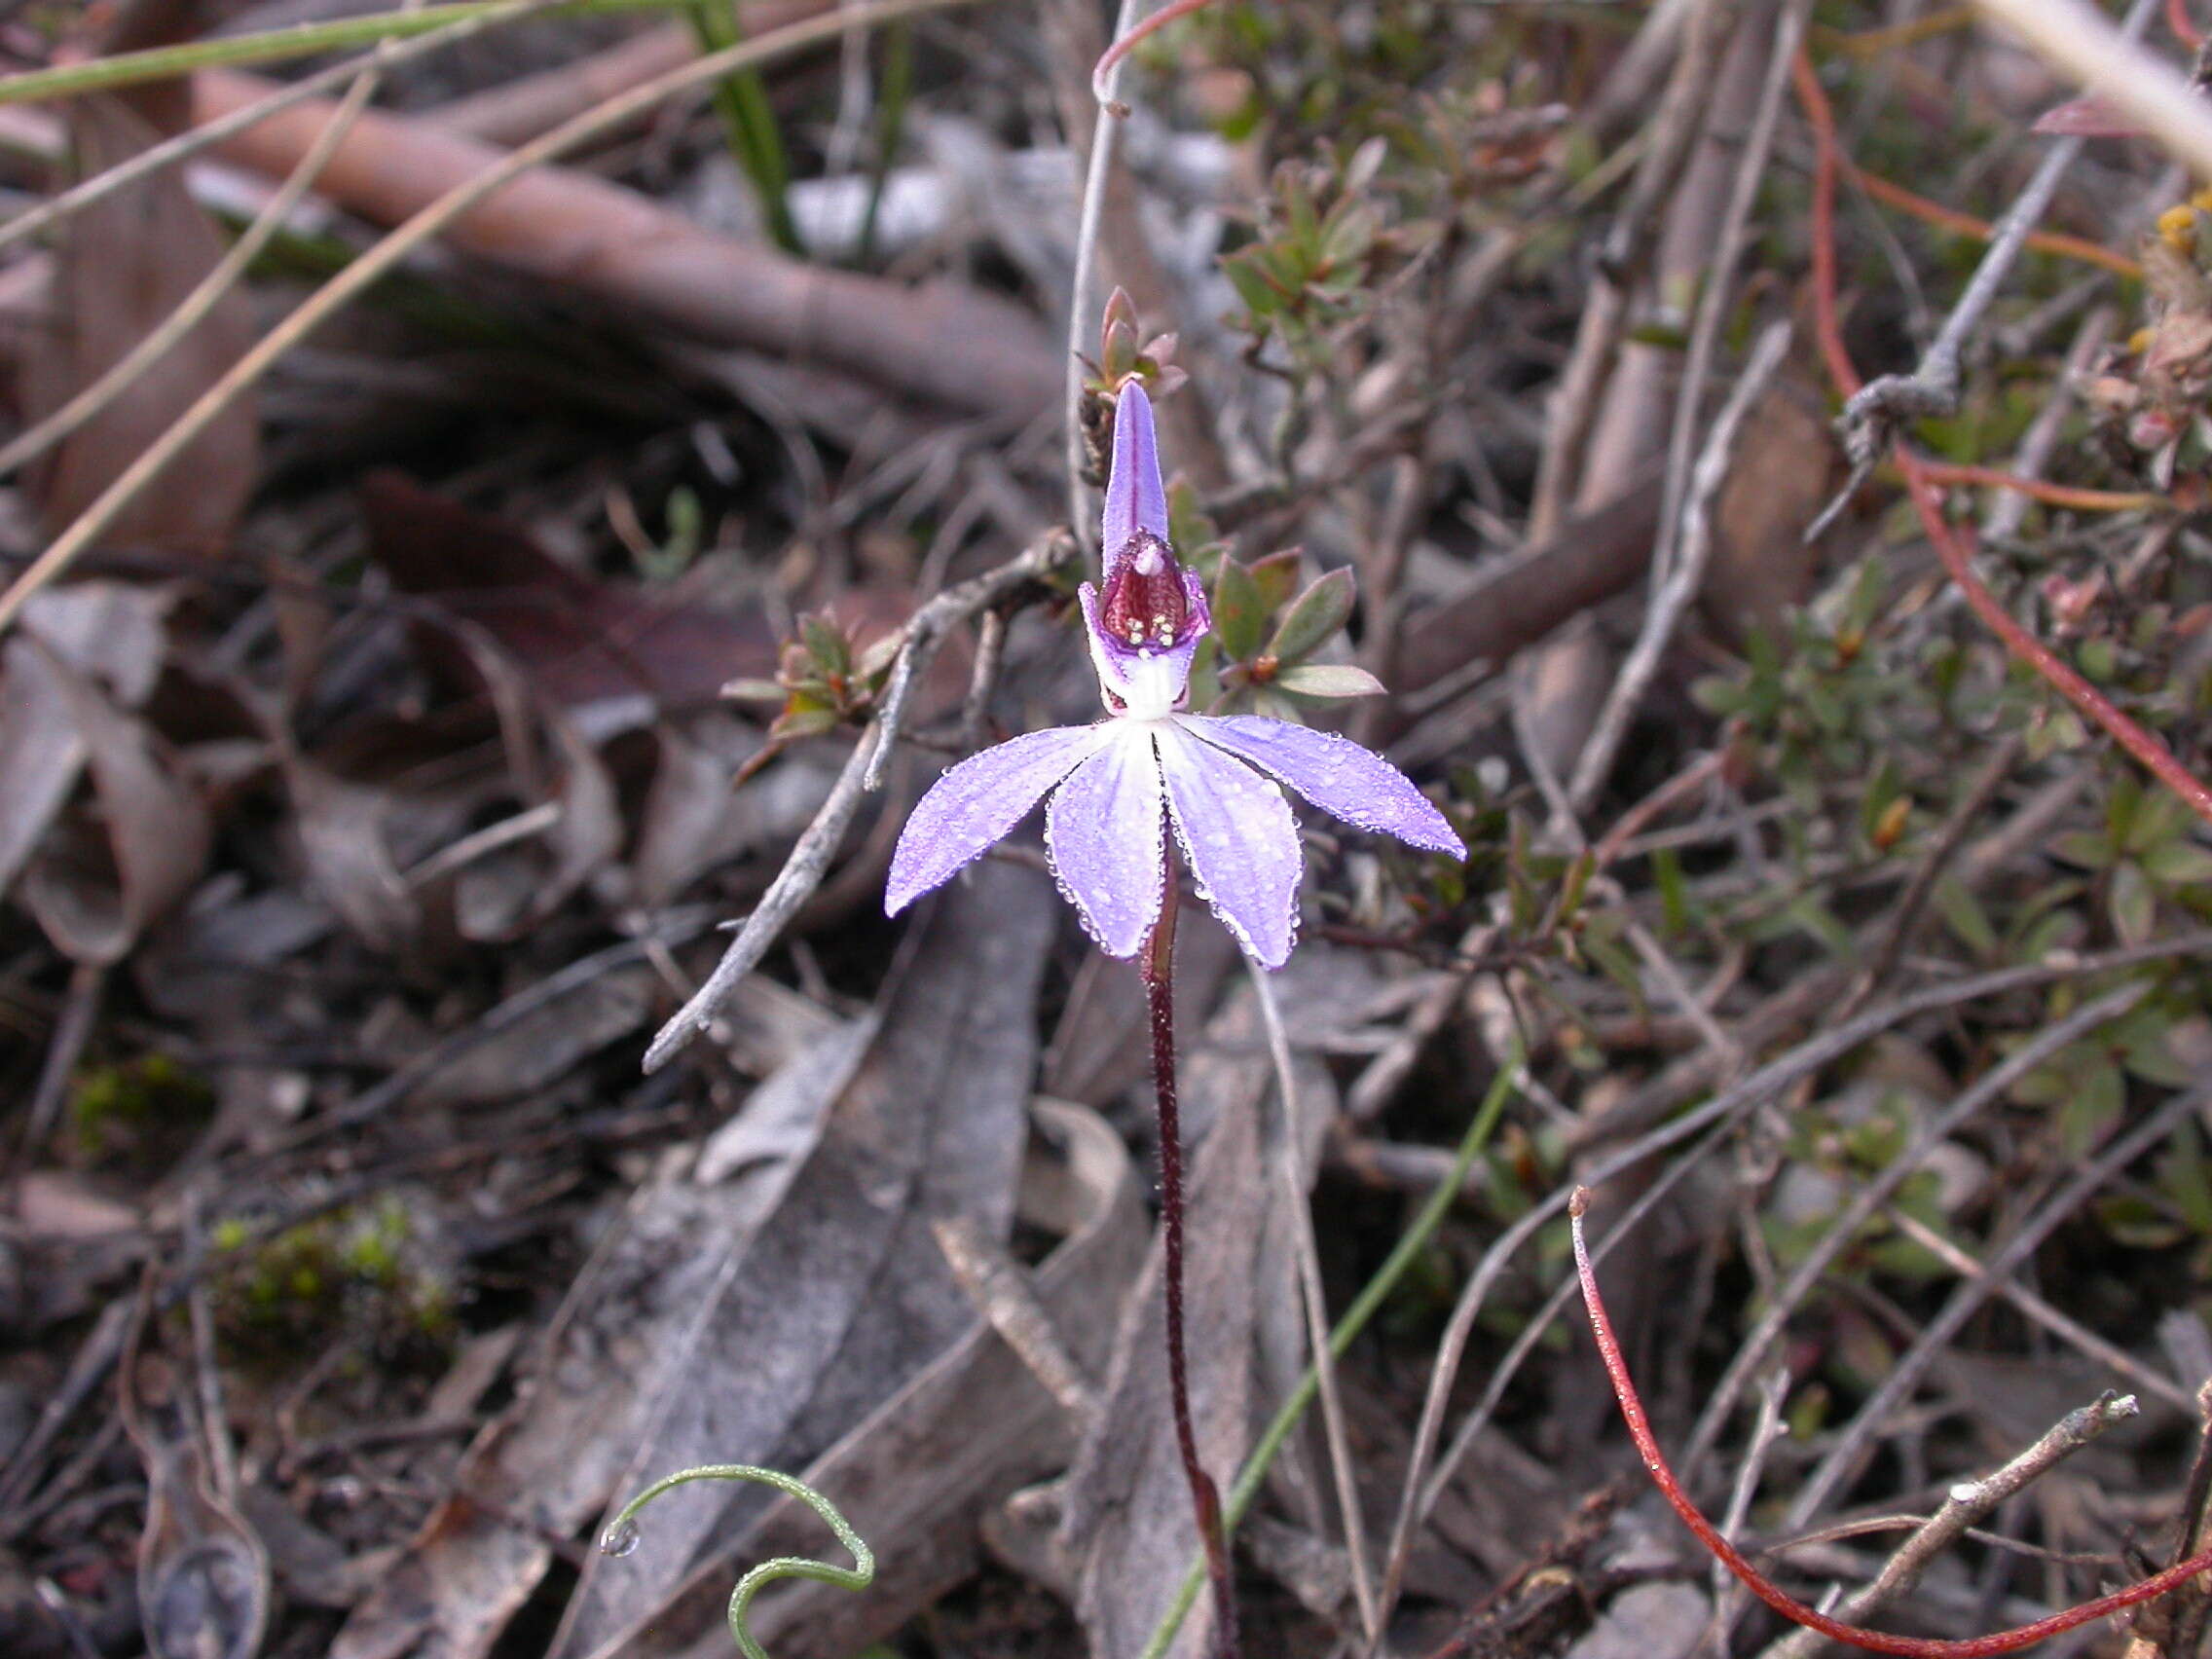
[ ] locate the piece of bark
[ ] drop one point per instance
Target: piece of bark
(1524, 595)
(120, 268)
(917, 1479)
(942, 341)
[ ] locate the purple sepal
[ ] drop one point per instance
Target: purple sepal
(977, 803)
(1239, 839)
(1103, 832)
(1335, 774)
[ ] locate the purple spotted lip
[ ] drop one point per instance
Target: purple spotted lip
(1117, 783)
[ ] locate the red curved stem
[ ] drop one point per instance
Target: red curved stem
(1120, 50)
(1780, 1600)
(2153, 755)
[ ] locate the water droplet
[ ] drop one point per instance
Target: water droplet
(620, 1539)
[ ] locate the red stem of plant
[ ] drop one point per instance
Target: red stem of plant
(2154, 756)
(1156, 963)
(1857, 1635)
(1120, 50)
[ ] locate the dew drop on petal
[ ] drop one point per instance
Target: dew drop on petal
(619, 1539)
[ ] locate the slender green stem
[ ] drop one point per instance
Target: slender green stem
(273, 46)
(749, 122)
(890, 100)
(621, 1537)
(1348, 1329)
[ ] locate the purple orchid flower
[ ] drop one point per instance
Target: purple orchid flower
(1116, 785)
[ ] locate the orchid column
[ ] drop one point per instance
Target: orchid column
(1119, 784)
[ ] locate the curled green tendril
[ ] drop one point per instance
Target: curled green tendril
(621, 1537)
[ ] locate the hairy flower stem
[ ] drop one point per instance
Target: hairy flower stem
(1156, 963)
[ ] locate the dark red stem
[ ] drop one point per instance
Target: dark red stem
(1781, 1601)
(1156, 963)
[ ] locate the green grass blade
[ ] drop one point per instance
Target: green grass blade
(749, 122)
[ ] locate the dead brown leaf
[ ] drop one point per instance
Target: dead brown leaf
(119, 858)
(760, 1317)
(917, 1477)
(582, 638)
(122, 266)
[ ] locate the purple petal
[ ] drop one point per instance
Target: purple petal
(1334, 773)
(1241, 842)
(1135, 498)
(1103, 830)
(977, 803)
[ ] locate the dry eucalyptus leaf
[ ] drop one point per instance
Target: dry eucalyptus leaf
(699, 1329)
(40, 750)
(123, 267)
(116, 633)
(117, 861)
(917, 1478)
(843, 1298)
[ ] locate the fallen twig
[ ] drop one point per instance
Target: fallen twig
(818, 843)
(2099, 1416)
(1684, 574)
(424, 223)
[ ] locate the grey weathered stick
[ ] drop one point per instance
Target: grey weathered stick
(1851, 1441)
(1992, 1086)
(818, 843)
(1729, 1597)
(1877, 410)
(2066, 1329)
(1968, 1502)
(1686, 572)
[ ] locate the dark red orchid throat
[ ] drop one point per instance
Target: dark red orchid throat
(1145, 603)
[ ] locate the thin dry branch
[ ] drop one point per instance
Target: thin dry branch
(818, 843)
(941, 342)
(1965, 1503)
(1867, 1201)
(449, 208)
(1683, 575)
